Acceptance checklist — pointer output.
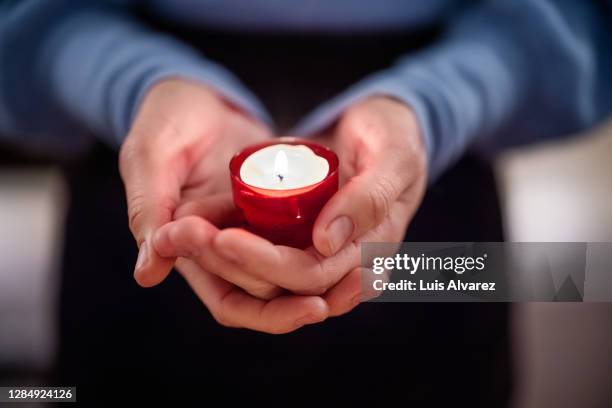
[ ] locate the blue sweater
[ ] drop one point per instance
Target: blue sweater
(505, 72)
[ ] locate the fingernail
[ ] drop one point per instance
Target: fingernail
(143, 256)
(308, 319)
(338, 232)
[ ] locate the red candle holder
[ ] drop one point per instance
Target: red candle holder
(284, 217)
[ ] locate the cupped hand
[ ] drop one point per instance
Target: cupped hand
(266, 308)
(177, 151)
(383, 167)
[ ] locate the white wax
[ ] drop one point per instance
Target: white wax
(283, 167)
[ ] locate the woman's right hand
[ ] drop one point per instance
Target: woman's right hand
(176, 153)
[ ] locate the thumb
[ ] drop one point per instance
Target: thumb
(360, 205)
(152, 193)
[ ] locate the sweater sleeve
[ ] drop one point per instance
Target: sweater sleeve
(69, 66)
(505, 73)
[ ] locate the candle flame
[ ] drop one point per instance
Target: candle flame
(281, 165)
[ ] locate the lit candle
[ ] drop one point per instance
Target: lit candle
(268, 168)
(281, 186)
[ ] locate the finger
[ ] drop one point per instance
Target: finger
(360, 205)
(219, 209)
(232, 307)
(299, 271)
(152, 185)
(191, 237)
(187, 237)
(346, 295)
(356, 287)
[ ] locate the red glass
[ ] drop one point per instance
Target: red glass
(284, 217)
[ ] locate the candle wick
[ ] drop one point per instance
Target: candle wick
(280, 177)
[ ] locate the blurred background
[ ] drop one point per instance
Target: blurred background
(561, 192)
(554, 192)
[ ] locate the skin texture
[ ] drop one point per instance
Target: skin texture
(244, 280)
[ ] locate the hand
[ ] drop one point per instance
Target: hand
(191, 238)
(177, 152)
(383, 163)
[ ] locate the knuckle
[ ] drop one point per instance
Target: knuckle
(332, 267)
(190, 233)
(265, 290)
(161, 127)
(136, 205)
(128, 154)
(380, 198)
(141, 145)
(319, 281)
(140, 203)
